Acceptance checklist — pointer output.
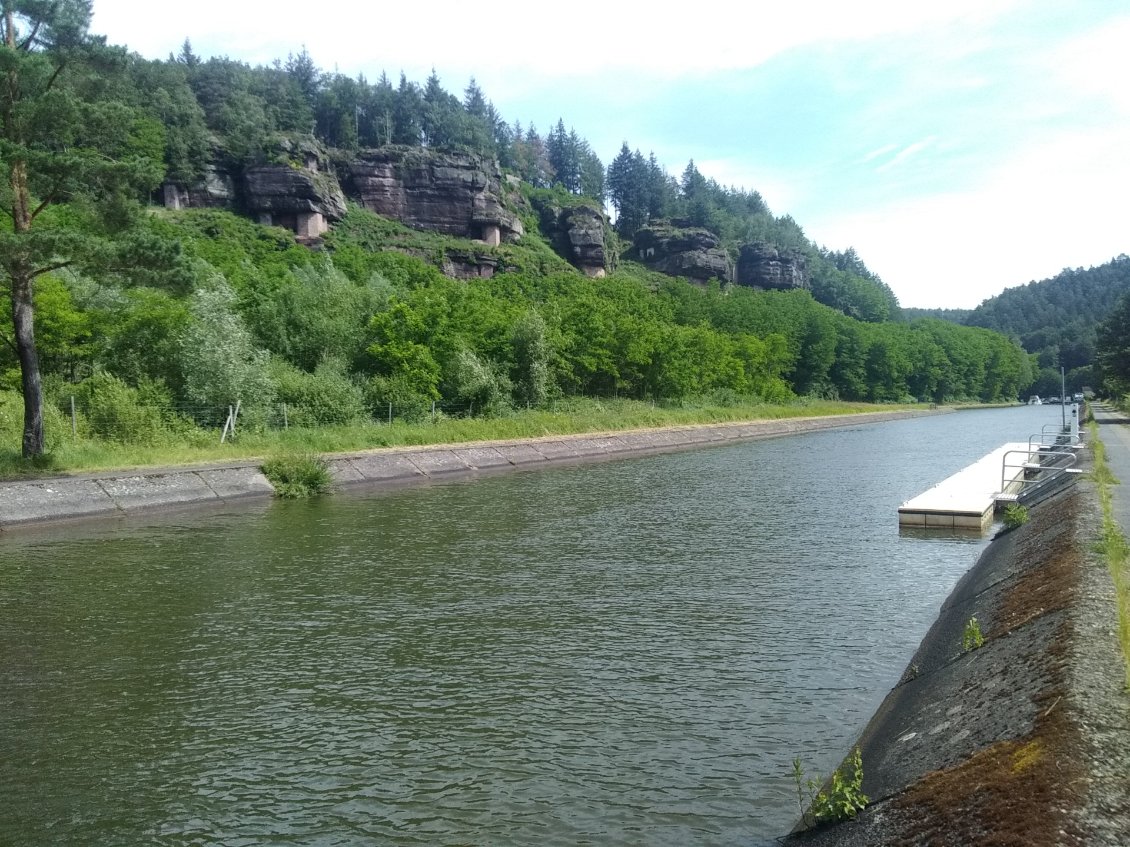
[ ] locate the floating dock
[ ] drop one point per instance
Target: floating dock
(968, 499)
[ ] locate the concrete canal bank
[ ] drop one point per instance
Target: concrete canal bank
(124, 493)
(1025, 740)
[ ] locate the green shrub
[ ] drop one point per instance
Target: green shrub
(408, 402)
(1015, 516)
(971, 636)
(114, 411)
(480, 383)
(298, 475)
(326, 397)
(841, 800)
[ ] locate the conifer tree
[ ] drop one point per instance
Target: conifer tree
(58, 144)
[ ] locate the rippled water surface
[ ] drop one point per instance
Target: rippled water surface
(625, 653)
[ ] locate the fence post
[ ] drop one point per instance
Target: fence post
(390, 414)
(471, 410)
(433, 411)
(74, 419)
(286, 423)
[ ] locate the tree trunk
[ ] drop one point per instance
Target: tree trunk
(23, 316)
(22, 278)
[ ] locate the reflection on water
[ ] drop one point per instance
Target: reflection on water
(628, 653)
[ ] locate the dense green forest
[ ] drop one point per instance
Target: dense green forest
(1057, 320)
(157, 321)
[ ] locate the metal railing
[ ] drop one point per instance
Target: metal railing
(1053, 435)
(1038, 468)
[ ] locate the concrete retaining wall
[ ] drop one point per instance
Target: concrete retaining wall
(91, 496)
(71, 498)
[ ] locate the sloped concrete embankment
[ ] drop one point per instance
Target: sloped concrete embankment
(107, 495)
(1007, 744)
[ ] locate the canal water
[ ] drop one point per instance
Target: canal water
(623, 653)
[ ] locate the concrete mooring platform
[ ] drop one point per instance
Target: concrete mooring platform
(968, 499)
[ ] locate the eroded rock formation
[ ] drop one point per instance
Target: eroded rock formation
(301, 199)
(683, 251)
(456, 194)
(763, 265)
(215, 191)
(579, 232)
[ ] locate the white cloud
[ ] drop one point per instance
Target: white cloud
(905, 153)
(1098, 64)
(593, 36)
(1059, 204)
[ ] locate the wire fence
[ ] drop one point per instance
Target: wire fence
(139, 423)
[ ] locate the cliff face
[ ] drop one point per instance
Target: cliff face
(301, 199)
(579, 232)
(456, 194)
(683, 251)
(762, 265)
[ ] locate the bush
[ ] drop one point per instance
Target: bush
(971, 637)
(326, 397)
(1015, 516)
(219, 362)
(408, 403)
(841, 800)
(113, 411)
(478, 382)
(298, 475)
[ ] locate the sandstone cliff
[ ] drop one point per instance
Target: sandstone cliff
(300, 199)
(579, 232)
(456, 194)
(762, 265)
(683, 251)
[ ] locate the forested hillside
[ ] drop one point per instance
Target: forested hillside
(157, 320)
(1057, 320)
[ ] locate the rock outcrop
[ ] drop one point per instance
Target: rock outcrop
(298, 198)
(579, 232)
(762, 265)
(215, 191)
(683, 251)
(456, 194)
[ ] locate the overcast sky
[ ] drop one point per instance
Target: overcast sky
(961, 147)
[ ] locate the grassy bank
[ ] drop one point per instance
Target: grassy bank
(1113, 546)
(73, 454)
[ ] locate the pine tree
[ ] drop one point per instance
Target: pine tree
(58, 147)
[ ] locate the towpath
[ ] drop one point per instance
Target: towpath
(1114, 431)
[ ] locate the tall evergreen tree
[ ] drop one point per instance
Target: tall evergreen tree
(407, 113)
(628, 186)
(57, 147)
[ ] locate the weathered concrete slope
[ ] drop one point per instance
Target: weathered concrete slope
(1002, 744)
(106, 495)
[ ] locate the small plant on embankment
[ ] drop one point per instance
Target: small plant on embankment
(841, 800)
(971, 636)
(1015, 516)
(297, 475)
(1113, 547)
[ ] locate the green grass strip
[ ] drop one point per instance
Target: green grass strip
(1113, 545)
(572, 416)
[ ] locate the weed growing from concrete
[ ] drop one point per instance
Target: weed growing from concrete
(1015, 516)
(297, 475)
(971, 636)
(842, 799)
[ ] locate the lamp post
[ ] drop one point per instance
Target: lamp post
(1062, 397)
